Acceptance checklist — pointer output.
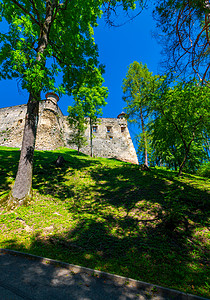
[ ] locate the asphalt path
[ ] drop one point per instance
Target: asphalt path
(30, 278)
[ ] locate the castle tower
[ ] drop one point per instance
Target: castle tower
(49, 133)
(51, 101)
(122, 115)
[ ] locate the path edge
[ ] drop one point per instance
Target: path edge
(152, 289)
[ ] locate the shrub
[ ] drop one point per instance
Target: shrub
(204, 170)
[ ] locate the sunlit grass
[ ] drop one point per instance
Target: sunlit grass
(108, 215)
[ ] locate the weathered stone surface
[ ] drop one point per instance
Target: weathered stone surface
(111, 136)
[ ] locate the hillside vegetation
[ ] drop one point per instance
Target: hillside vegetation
(111, 216)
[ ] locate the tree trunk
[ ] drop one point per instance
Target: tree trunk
(187, 151)
(183, 163)
(145, 139)
(22, 189)
(91, 138)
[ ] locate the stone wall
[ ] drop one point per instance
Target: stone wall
(111, 136)
(12, 120)
(49, 132)
(111, 139)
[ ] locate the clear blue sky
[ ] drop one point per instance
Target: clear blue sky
(121, 46)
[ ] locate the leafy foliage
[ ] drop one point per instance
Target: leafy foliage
(139, 87)
(69, 41)
(88, 102)
(41, 30)
(91, 96)
(173, 120)
(181, 116)
(77, 123)
(204, 170)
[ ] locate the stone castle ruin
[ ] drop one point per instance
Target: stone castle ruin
(111, 135)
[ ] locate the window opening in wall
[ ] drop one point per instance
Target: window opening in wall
(95, 129)
(108, 128)
(123, 129)
(20, 121)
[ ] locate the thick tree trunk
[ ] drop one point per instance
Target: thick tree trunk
(145, 139)
(22, 189)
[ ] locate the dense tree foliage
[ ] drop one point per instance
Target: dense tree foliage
(181, 116)
(88, 102)
(138, 88)
(173, 120)
(78, 125)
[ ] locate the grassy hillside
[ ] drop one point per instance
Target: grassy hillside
(109, 215)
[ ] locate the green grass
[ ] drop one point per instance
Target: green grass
(111, 216)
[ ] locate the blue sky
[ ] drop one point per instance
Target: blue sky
(121, 46)
(118, 48)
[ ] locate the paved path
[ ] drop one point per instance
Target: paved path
(33, 278)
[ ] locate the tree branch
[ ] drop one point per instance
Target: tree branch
(56, 12)
(36, 11)
(63, 6)
(25, 11)
(59, 59)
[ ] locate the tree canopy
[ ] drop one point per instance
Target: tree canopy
(181, 117)
(173, 119)
(88, 102)
(139, 86)
(78, 125)
(39, 31)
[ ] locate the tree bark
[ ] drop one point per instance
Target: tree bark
(145, 139)
(187, 151)
(91, 138)
(183, 163)
(22, 190)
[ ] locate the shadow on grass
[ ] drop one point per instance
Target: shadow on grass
(47, 178)
(138, 224)
(51, 180)
(9, 159)
(149, 256)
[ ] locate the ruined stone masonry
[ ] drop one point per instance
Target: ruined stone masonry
(111, 136)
